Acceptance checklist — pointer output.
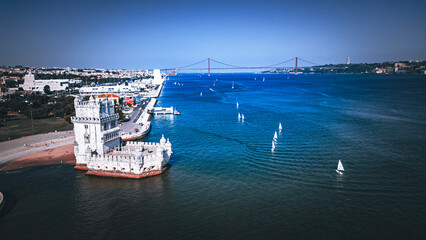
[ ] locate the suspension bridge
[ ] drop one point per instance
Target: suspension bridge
(292, 64)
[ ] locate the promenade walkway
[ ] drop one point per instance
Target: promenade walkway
(14, 149)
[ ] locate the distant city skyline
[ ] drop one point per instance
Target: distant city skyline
(164, 34)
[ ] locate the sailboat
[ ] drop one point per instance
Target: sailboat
(201, 93)
(280, 127)
(340, 168)
(263, 79)
(232, 85)
(273, 146)
(237, 105)
(242, 117)
(239, 116)
(275, 136)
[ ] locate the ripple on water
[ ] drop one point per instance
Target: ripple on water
(226, 182)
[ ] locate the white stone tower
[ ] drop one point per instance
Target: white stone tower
(348, 60)
(158, 80)
(95, 128)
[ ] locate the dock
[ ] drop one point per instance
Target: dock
(164, 111)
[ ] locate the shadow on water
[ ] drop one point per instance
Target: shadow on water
(174, 159)
(9, 203)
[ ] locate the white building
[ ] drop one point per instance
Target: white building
(135, 87)
(98, 147)
(30, 84)
(158, 79)
(130, 88)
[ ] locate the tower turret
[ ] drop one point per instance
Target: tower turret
(162, 140)
(95, 128)
(169, 147)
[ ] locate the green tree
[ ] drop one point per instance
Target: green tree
(3, 113)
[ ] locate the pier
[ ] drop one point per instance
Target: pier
(164, 111)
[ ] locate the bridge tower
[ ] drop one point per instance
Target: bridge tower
(209, 66)
(296, 67)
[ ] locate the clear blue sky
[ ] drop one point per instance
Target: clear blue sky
(167, 33)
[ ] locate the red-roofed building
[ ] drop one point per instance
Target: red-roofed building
(109, 96)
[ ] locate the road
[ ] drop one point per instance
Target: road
(130, 125)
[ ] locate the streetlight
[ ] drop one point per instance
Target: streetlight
(32, 121)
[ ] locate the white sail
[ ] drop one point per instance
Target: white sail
(239, 116)
(340, 166)
(237, 105)
(280, 127)
(201, 94)
(273, 146)
(263, 79)
(242, 116)
(275, 135)
(232, 85)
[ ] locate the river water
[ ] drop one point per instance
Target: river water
(226, 183)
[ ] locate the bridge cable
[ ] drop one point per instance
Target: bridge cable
(230, 65)
(191, 64)
(314, 64)
(280, 63)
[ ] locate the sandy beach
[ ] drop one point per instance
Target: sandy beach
(59, 155)
(37, 150)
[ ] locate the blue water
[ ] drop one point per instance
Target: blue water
(225, 183)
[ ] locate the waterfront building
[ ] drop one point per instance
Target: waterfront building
(135, 87)
(30, 84)
(98, 146)
(380, 70)
(119, 89)
(109, 96)
(158, 79)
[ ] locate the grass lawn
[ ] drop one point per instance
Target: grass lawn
(20, 126)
